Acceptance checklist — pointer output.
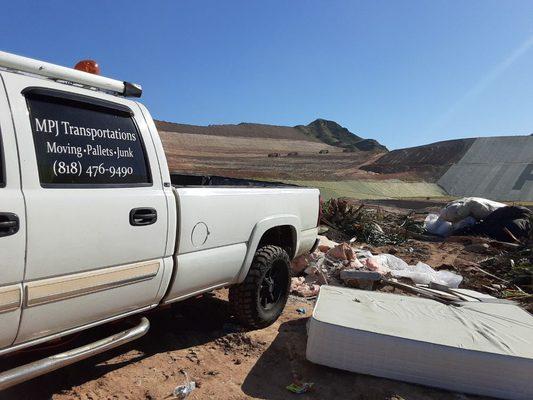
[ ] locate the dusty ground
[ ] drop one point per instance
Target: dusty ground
(198, 337)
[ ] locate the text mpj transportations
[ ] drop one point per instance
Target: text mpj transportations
(56, 127)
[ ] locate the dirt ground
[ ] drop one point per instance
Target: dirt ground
(200, 337)
(243, 157)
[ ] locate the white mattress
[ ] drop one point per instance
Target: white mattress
(479, 348)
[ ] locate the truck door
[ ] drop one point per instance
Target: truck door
(96, 209)
(12, 228)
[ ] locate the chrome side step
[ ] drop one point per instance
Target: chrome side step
(32, 370)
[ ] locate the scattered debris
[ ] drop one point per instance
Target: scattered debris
(183, 391)
(483, 217)
(346, 265)
(401, 246)
(303, 289)
(300, 388)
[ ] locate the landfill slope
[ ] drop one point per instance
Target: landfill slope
(498, 168)
(319, 131)
(428, 162)
(328, 156)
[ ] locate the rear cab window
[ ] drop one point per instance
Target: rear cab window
(85, 142)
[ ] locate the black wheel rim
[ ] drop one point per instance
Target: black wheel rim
(273, 285)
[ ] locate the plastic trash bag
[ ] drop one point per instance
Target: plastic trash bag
(391, 262)
(451, 279)
(422, 273)
(464, 223)
(475, 207)
(437, 226)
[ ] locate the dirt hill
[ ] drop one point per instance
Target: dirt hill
(243, 129)
(319, 131)
(332, 133)
(322, 150)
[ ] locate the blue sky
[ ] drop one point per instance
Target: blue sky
(403, 72)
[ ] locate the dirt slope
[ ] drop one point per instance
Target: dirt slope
(428, 162)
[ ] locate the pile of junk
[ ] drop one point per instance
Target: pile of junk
(345, 264)
(341, 264)
(376, 314)
(481, 217)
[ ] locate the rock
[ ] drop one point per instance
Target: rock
(324, 244)
(300, 263)
(374, 264)
(342, 252)
(355, 264)
(303, 289)
(315, 275)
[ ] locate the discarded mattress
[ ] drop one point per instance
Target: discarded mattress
(481, 348)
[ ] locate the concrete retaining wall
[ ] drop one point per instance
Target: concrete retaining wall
(498, 168)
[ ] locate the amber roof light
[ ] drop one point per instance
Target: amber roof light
(89, 66)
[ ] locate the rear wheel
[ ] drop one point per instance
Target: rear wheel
(259, 300)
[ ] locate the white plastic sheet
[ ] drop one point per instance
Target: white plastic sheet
(423, 274)
(419, 273)
(435, 225)
(475, 207)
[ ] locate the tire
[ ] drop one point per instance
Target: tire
(260, 299)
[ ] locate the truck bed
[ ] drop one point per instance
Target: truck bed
(220, 227)
(187, 180)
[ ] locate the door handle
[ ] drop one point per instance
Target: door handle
(9, 224)
(143, 216)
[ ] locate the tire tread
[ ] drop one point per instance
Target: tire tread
(242, 296)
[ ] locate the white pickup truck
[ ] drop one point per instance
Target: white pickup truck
(92, 230)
